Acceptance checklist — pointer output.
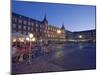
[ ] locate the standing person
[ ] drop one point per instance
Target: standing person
(46, 50)
(17, 53)
(22, 52)
(13, 52)
(33, 51)
(26, 50)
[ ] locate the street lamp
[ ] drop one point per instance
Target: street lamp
(80, 36)
(30, 35)
(27, 39)
(30, 39)
(59, 32)
(33, 39)
(21, 39)
(14, 40)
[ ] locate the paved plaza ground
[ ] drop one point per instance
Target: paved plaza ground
(65, 57)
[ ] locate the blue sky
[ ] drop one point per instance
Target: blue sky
(74, 17)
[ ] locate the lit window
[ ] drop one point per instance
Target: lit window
(53, 36)
(48, 28)
(40, 26)
(48, 35)
(51, 28)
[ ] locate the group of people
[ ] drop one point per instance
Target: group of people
(20, 53)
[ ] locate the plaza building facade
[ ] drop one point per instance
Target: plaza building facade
(88, 35)
(84, 36)
(40, 29)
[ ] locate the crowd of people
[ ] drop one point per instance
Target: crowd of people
(20, 52)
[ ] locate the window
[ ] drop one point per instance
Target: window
(36, 25)
(29, 23)
(19, 31)
(53, 35)
(32, 23)
(44, 31)
(14, 25)
(50, 28)
(19, 26)
(36, 29)
(24, 22)
(15, 19)
(13, 30)
(28, 28)
(53, 29)
(24, 27)
(48, 35)
(31, 29)
(40, 26)
(25, 32)
(20, 21)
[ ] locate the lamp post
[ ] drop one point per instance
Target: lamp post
(14, 40)
(21, 40)
(30, 39)
(80, 37)
(58, 32)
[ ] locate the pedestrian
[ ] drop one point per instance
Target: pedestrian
(14, 51)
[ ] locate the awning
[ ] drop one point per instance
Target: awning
(16, 35)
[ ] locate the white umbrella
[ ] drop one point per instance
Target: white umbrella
(16, 35)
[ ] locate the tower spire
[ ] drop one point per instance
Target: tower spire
(45, 19)
(63, 27)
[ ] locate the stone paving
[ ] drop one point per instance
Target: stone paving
(40, 64)
(70, 57)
